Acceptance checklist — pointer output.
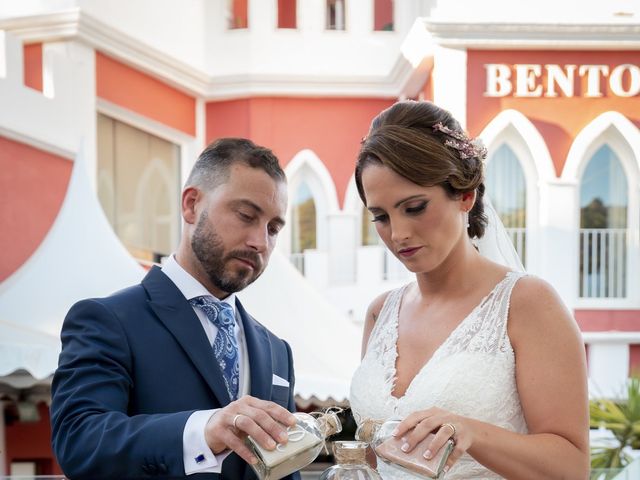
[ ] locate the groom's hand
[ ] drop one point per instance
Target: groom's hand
(266, 422)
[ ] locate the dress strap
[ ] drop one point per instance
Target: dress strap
(385, 321)
(501, 303)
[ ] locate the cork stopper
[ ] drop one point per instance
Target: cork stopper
(349, 452)
(329, 424)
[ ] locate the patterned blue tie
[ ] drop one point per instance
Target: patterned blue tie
(225, 345)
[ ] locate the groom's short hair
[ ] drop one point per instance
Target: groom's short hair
(212, 167)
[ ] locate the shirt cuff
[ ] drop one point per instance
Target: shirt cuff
(196, 454)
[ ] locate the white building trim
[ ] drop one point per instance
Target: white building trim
(306, 167)
(623, 137)
(594, 135)
(512, 128)
(70, 78)
(404, 77)
(190, 147)
(523, 35)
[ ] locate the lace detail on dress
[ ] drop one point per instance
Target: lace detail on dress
(472, 374)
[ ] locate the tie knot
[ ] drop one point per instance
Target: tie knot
(219, 313)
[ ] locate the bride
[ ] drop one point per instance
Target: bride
(473, 349)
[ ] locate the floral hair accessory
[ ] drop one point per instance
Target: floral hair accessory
(464, 145)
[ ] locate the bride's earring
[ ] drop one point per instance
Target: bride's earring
(466, 219)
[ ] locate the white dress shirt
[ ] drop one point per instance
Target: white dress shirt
(197, 456)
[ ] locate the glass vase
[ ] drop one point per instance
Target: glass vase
(388, 449)
(351, 463)
(306, 440)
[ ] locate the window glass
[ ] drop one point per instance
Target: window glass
(139, 188)
(603, 192)
(507, 190)
(603, 222)
(304, 220)
(335, 14)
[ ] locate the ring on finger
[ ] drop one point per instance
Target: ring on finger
(452, 427)
(235, 420)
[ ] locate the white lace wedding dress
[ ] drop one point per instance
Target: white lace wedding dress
(472, 374)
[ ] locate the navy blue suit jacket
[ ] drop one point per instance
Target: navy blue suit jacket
(134, 366)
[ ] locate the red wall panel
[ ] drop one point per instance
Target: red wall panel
(33, 184)
(331, 127)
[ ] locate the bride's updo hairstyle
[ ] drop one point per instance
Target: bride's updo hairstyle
(426, 145)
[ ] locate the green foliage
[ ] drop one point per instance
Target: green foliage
(622, 419)
(598, 215)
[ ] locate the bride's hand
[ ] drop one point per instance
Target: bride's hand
(413, 429)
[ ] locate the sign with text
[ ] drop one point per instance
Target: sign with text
(553, 80)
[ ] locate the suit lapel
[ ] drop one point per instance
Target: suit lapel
(259, 350)
(177, 315)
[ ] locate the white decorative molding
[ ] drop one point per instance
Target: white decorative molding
(587, 141)
(308, 158)
(142, 122)
(306, 167)
(623, 137)
(76, 24)
(70, 79)
(550, 36)
(512, 128)
(611, 337)
(352, 202)
(528, 134)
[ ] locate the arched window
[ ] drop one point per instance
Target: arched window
(507, 190)
(139, 188)
(303, 228)
(603, 226)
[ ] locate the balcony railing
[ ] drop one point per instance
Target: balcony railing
(603, 262)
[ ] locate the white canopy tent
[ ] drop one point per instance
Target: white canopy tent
(325, 343)
(81, 257)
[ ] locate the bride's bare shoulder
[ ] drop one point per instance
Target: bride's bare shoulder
(536, 307)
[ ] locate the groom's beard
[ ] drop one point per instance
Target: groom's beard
(208, 248)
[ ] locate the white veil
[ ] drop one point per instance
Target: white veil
(495, 244)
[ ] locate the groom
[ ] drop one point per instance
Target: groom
(168, 377)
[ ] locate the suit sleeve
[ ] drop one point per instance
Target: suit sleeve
(93, 437)
(292, 379)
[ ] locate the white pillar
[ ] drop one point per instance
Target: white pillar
(450, 81)
(359, 17)
(558, 238)
(262, 17)
(370, 264)
(70, 75)
(311, 16)
(342, 247)
(608, 364)
(316, 268)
